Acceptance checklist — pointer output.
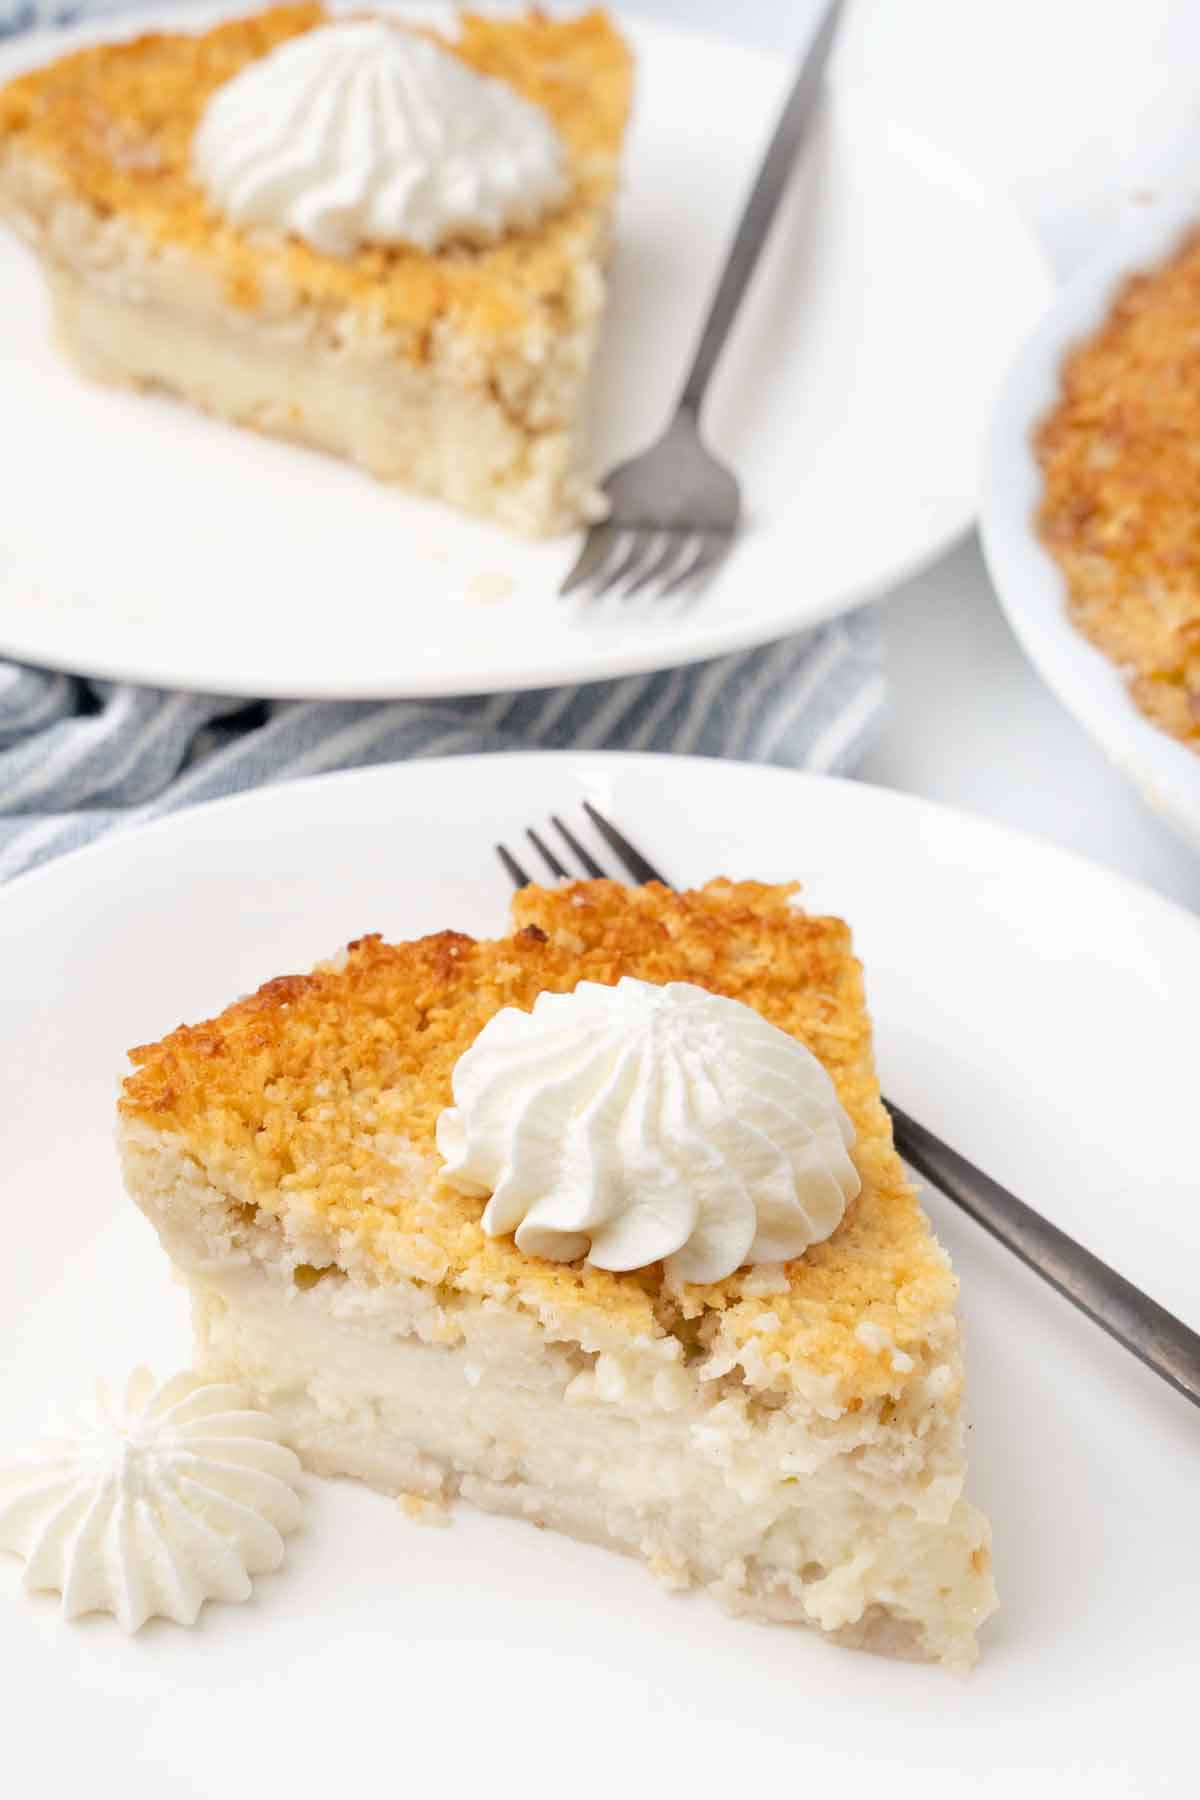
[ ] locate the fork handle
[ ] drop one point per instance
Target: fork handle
(1163, 1342)
(761, 208)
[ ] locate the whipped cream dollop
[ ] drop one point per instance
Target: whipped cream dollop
(176, 1497)
(635, 1124)
(362, 132)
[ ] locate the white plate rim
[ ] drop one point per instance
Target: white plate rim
(1026, 578)
(597, 661)
(266, 798)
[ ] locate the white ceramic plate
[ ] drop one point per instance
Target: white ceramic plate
(1034, 1010)
(1026, 577)
(140, 540)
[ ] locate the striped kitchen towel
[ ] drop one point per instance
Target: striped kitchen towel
(33, 15)
(80, 758)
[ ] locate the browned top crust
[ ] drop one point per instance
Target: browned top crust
(116, 123)
(1120, 455)
(296, 1097)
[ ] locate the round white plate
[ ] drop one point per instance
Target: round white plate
(1035, 1011)
(141, 540)
(1027, 578)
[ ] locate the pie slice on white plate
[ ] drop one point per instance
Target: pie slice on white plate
(460, 371)
(789, 1436)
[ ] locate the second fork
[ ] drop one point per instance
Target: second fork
(674, 510)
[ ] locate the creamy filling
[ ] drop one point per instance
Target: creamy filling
(782, 1502)
(683, 1485)
(394, 418)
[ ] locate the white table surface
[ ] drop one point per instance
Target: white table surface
(1038, 96)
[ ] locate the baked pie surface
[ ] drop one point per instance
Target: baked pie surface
(1120, 511)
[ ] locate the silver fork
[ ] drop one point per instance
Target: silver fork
(674, 509)
(1155, 1336)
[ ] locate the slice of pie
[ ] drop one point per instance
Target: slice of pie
(460, 372)
(789, 1437)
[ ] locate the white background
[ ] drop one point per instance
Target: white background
(1050, 98)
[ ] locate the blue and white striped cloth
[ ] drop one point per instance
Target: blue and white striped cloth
(80, 758)
(35, 15)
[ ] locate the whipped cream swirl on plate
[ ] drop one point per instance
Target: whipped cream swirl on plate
(363, 132)
(635, 1124)
(176, 1497)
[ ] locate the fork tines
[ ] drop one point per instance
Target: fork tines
(629, 560)
(628, 855)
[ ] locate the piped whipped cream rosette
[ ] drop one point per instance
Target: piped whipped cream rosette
(635, 1124)
(362, 132)
(151, 1507)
